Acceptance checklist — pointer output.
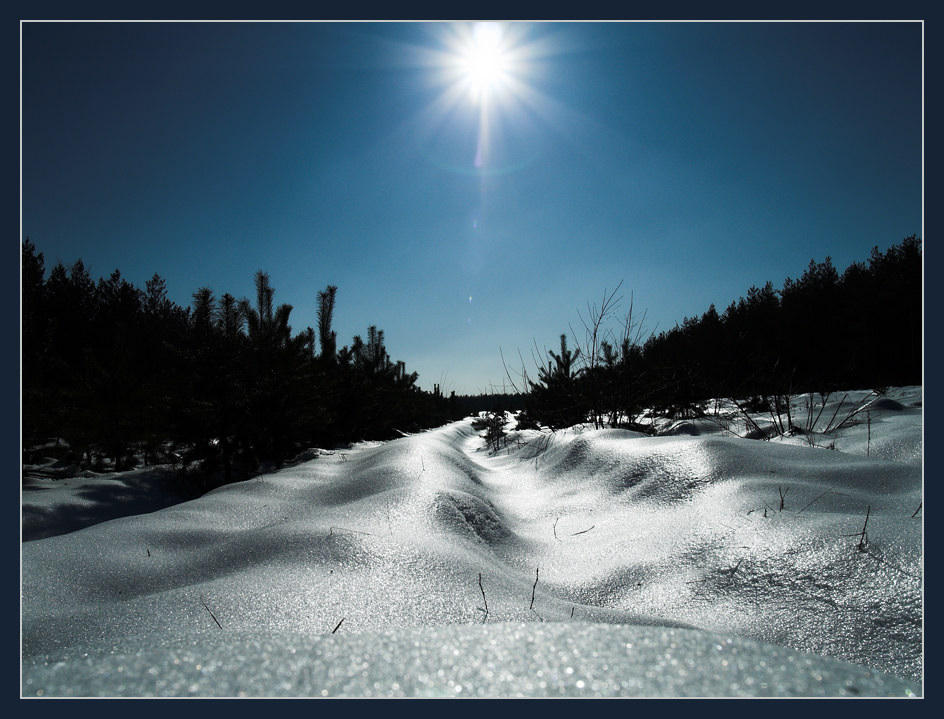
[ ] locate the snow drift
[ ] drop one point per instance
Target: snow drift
(577, 563)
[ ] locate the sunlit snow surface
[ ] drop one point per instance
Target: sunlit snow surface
(579, 563)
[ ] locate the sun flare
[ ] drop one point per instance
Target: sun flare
(485, 74)
(484, 60)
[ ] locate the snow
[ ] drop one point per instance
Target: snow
(585, 562)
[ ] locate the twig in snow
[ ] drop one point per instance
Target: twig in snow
(864, 538)
(886, 562)
(815, 500)
(210, 612)
(485, 619)
(572, 612)
(698, 592)
(338, 626)
(829, 425)
(917, 510)
(783, 493)
(555, 529)
(345, 529)
(536, 570)
(583, 531)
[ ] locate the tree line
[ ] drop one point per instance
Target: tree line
(111, 371)
(822, 332)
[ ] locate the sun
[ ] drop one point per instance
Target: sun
(484, 60)
(484, 66)
(483, 76)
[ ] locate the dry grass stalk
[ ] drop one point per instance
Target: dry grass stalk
(210, 612)
(536, 570)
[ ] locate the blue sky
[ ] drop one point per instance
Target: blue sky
(688, 161)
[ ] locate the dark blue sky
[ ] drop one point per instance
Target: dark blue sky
(687, 160)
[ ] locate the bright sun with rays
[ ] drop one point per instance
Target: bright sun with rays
(484, 60)
(489, 66)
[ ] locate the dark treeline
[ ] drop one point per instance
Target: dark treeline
(487, 402)
(823, 332)
(113, 371)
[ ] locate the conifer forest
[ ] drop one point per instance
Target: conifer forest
(226, 386)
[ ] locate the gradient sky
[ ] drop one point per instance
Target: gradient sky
(688, 161)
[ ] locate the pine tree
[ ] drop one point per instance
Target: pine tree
(326, 336)
(557, 400)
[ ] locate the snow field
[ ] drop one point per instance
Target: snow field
(580, 538)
